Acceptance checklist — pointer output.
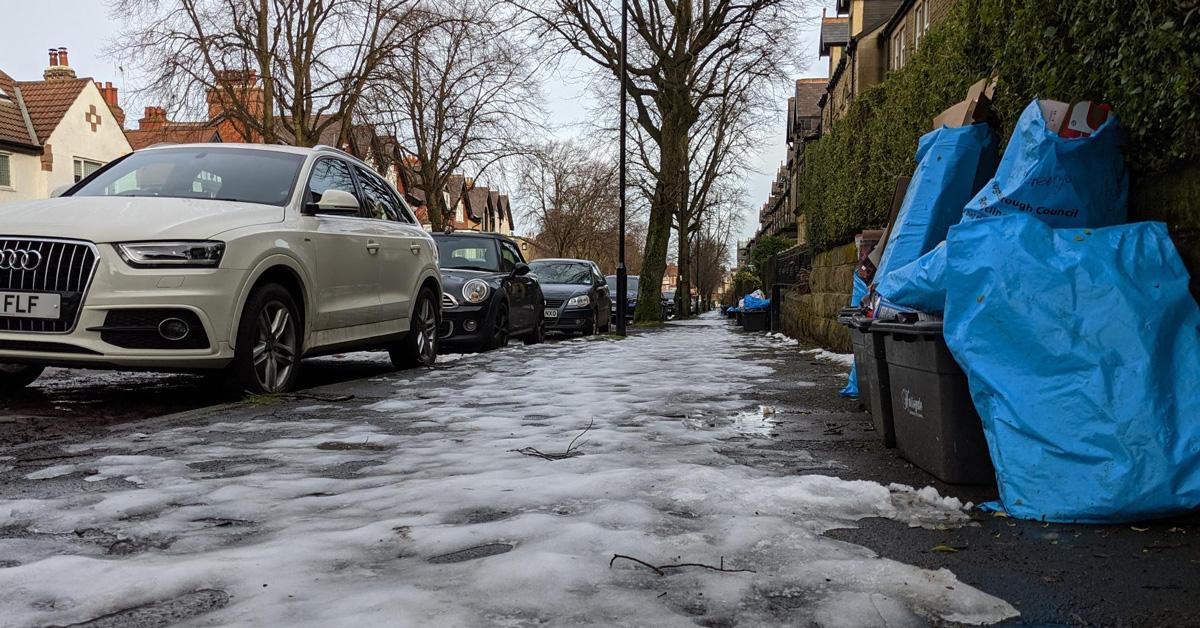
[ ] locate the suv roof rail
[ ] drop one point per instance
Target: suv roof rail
(333, 149)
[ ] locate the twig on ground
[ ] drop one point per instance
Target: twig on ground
(659, 569)
(571, 452)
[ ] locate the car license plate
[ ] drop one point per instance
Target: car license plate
(30, 305)
(551, 313)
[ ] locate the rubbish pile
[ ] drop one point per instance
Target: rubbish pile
(1015, 328)
(752, 311)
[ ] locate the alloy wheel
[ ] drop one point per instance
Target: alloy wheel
(274, 347)
(427, 332)
(500, 327)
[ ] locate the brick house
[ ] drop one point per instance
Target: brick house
(55, 131)
(908, 26)
(857, 54)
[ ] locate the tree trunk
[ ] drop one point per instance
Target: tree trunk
(669, 194)
(434, 203)
(683, 288)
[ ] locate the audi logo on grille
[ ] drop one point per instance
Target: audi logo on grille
(19, 259)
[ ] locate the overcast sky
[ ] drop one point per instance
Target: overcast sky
(85, 27)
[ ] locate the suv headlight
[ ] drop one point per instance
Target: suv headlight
(476, 291)
(582, 300)
(172, 254)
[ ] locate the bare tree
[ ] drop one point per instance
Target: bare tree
(570, 197)
(291, 71)
(683, 55)
(464, 95)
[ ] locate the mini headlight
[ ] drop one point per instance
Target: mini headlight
(172, 254)
(475, 291)
(582, 300)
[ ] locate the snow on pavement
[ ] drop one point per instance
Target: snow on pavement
(409, 506)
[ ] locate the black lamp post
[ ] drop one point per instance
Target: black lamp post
(622, 272)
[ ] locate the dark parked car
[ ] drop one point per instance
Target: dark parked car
(576, 295)
(631, 296)
(488, 293)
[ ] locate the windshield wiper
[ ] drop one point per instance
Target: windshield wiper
(480, 268)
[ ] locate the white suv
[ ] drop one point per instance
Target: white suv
(216, 256)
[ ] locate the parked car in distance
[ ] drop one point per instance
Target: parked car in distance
(668, 303)
(576, 295)
(631, 287)
(668, 306)
(216, 256)
(489, 294)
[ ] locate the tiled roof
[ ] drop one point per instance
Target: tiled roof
(173, 133)
(13, 127)
(808, 97)
(835, 31)
(477, 200)
(48, 101)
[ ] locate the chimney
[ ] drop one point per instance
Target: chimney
(155, 119)
(109, 94)
(60, 68)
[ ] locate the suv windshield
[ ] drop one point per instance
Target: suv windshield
(225, 174)
(467, 253)
(631, 283)
(563, 272)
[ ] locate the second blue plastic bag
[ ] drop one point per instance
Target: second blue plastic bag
(1081, 347)
(952, 164)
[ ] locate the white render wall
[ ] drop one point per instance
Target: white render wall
(27, 177)
(74, 138)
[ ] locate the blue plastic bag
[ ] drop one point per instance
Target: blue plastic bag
(917, 286)
(856, 296)
(1063, 182)
(952, 165)
(752, 302)
(1079, 182)
(1081, 347)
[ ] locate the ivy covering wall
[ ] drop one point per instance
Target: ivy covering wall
(1141, 56)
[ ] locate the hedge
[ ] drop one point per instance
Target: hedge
(1141, 56)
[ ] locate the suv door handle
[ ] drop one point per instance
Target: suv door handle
(372, 247)
(415, 248)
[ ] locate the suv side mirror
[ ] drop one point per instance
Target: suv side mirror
(334, 202)
(520, 269)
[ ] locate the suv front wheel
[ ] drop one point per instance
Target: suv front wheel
(267, 356)
(420, 346)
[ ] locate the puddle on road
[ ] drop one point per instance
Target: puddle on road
(471, 553)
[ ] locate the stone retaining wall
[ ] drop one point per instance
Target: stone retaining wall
(812, 316)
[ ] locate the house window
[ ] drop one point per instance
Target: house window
(901, 53)
(84, 168)
(5, 171)
(919, 26)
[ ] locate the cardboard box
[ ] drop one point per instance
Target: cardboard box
(1084, 118)
(1054, 112)
(973, 109)
(867, 267)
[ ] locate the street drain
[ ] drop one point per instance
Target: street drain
(471, 553)
(164, 613)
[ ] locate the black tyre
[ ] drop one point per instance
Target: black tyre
(500, 328)
(538, 335)
(14, 377)
(267, 357)
(594, 328)
(607, 326)
(420, 346)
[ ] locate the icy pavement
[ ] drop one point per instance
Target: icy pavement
(408, 505)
